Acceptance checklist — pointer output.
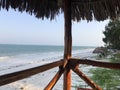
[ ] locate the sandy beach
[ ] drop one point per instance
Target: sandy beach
(35, 82)
(39, 81)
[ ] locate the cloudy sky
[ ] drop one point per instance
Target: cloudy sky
(21, 28)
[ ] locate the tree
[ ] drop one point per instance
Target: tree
(112, 34)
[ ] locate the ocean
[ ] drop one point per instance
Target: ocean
(38, 51)
(19, 57)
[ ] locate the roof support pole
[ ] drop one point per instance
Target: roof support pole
(67, 44)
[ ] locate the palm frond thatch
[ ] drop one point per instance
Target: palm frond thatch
(40, 8)
(95, 9)
(81, 9)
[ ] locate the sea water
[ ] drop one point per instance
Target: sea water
(39, 51)
(19, 57)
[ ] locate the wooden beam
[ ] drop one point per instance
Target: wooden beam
(67, 44)
(9, 78)
(68, 29)
(54, 80)
(86, 79)
(96, 63)
(67, 78)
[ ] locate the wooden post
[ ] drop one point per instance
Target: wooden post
(67, 44)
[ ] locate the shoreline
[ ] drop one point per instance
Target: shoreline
(38, 81)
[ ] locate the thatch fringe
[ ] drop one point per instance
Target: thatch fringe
(81, 9)
(95, 9)
(40, 8)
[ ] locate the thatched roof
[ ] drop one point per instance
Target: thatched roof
(81, 9)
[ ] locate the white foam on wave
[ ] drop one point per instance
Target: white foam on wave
(4, 58)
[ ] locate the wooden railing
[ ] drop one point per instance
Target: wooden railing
(95, 63)
(8, 78)
(73, 64)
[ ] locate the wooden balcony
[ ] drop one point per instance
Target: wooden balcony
(73, 10)
(73, 64)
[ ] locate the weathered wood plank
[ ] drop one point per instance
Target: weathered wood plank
(54, 80)
(96, 63)
(9, 78)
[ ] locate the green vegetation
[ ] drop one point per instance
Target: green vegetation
(108, 79)
(115, 58)
(112, 35)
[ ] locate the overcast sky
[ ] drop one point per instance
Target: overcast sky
(21, 28)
